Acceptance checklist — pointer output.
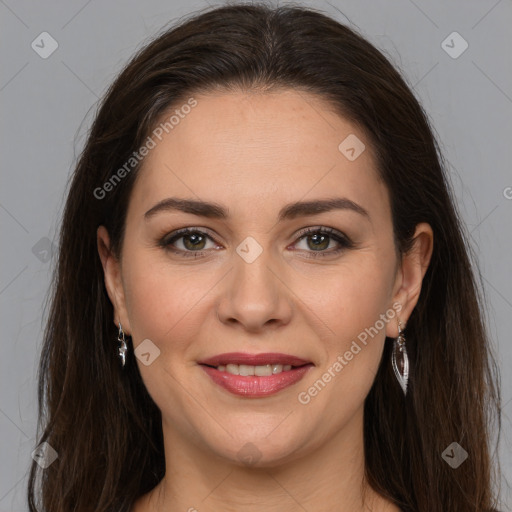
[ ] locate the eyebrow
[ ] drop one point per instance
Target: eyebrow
(290, 211)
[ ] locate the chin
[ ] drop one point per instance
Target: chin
(261, 452)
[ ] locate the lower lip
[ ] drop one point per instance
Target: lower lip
(254, 387)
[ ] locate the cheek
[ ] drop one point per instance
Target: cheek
(158, 298)
(339, 387)
(351, 299)
(356, 311)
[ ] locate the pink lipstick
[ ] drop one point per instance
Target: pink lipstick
(255, 375)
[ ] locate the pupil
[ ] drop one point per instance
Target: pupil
(193, 239)
(318, 240)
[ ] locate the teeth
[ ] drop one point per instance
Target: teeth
(247, 370)
(234, 369)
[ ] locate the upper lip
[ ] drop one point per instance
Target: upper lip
(253, 359)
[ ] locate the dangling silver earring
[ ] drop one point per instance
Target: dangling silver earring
(123, 348)
(400, 360)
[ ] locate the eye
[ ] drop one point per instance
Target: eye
(193, 242)
(319, 239)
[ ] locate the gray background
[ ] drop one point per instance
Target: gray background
(45, 113)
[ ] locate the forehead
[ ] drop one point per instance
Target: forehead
(259, 150)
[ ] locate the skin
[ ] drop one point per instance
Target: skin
(253, 153)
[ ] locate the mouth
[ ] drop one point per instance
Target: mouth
(247, 370)
(255, 375)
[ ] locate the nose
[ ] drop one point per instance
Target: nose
(255, 294)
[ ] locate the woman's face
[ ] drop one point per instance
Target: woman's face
(251, 281)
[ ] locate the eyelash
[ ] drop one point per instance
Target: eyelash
(343, 241)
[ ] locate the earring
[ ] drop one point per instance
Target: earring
(400, 360)
(123, 348)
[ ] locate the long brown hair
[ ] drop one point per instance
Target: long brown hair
(100, 419)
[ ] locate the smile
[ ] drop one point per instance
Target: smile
(255, 375)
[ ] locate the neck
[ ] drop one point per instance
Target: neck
(329, 477)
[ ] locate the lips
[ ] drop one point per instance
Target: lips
(255, 375)
(253, 359)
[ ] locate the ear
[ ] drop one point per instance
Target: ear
(113, 281)
(410, 275)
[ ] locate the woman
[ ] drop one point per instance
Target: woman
(264, 298)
